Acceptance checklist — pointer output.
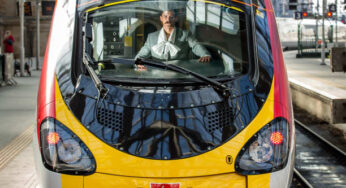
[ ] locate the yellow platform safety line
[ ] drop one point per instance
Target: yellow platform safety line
(127, 1)
(16, 146)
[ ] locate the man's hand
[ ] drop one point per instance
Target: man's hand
(141, 68)
(205, 59)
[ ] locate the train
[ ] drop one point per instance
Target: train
(164, 94)
(289, 35)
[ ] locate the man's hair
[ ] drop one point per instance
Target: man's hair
(174, 12)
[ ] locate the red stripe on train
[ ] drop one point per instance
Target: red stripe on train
(282, 106)
(46, 90)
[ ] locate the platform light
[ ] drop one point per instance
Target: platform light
(305, 14)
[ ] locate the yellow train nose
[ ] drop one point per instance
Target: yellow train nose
(225, 180)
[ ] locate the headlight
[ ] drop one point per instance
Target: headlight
(267, 151)
(62, 151)
(69, 151)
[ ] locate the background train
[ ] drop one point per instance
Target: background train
(207, 103)
(288, 30)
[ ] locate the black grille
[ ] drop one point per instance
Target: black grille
(219, 119)
(110, 119)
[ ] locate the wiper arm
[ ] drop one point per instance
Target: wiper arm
(102, 90)
(223, 89)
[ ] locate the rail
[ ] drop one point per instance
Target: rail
(319, 163)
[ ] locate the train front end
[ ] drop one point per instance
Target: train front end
(107, 117)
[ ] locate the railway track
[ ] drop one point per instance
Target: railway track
(318, 162)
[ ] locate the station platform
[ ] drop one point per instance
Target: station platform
(316, 89)
(17, 120)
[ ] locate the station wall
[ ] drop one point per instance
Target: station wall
(9, 20)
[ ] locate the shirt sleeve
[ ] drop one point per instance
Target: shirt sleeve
(197, 48)
(145, 51)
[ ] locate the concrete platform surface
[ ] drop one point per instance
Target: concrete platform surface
(18, 107)
(20, 171)
(17, 119)
(316, 89)
(316, 77)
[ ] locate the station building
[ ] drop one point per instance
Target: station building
(10, 20)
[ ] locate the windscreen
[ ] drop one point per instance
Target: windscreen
(207, 38)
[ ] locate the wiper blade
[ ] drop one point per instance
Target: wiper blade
(87, 60)
(102, 90)
(118, 61)
(218, 86)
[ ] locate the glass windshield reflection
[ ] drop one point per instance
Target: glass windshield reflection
(206, 38)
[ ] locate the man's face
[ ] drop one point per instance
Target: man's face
(167, 18)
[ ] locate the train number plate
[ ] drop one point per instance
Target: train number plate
(164, 185)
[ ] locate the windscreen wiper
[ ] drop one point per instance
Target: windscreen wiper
(102, 90)
(87, 60)
(221, 88)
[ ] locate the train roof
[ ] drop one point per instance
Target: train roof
(87, 4)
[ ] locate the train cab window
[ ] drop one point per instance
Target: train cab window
(208, 38)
